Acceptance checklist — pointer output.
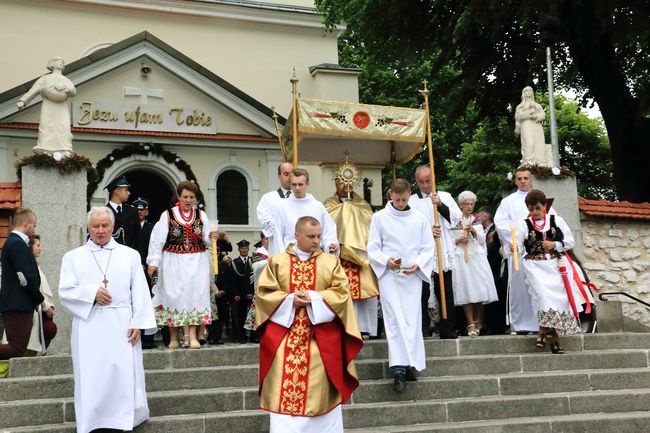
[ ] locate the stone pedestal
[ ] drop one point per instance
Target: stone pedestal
(59, 201)
(565, 192)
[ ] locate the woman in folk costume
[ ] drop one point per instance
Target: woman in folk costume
(178, 252)
(554, 286)
(472, 279)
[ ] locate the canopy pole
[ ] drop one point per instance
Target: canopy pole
(294, 109)
(279, 134)
(436, 223)
(393, 168)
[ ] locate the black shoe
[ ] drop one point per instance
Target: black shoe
(254, 340)
(448, 336)
(410, 375)
(213, 342)
(147, 345)
(243, 341)
(202, 341)
(400, 383)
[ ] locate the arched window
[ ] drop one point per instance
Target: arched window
(232, 198)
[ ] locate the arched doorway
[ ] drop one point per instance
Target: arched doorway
(151, 187)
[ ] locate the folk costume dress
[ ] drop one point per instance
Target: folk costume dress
(406, 235)
(556, 305)
(306, 355)
(109, 381)
(178, 249)
(287, 212)
(521, 316)
(472, 277)
(352, 218)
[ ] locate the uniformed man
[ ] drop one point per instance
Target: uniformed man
(142, 235)
(242, 290)
(126, 217)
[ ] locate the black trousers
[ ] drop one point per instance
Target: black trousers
(215, 330)
(446, 326)
(424, 302)
(239, 310)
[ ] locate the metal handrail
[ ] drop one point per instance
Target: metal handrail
(602, 295)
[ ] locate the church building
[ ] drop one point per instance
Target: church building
(170, 90)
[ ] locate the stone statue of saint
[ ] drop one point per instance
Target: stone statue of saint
(528, 124)
(54, 128)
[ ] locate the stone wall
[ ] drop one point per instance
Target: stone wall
(617, 258)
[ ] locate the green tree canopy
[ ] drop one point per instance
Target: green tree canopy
(491, 49)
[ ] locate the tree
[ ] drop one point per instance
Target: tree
(497, 50)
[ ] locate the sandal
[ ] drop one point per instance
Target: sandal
(186, 342)
(194, 344)
(556, 349)
(540, 342)
(173, 345)
(471, 330)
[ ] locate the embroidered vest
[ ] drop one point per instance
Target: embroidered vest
(182, 240)
(534, 239)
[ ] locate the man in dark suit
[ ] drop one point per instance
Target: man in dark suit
(142, 235)
(242, 290)
(126, 217)
(495, 312)
(20, 294)
(224, 282)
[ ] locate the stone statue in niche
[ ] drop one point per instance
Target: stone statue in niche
(529, 116)
(54, 136)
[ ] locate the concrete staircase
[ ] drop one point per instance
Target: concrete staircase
(496, 384)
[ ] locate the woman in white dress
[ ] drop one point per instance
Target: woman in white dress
(178, 252)
(472, 278)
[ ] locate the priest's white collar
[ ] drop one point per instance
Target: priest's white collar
(92, 246)
(302, 255)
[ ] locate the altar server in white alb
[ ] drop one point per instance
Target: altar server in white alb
(103, 285)
(399, 248)
(299, 204)
(267, 204)
(510, 213)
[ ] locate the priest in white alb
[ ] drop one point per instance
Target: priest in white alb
(268, 202)
(400, 246)
(299, 204)
(103, 285)
(512, 210)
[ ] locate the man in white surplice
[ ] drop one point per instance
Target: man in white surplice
(267, 204)
(513, 209)
(103, 285)
(399, 248)
(299, 204)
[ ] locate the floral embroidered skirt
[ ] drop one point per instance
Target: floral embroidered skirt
(182, 295)
(549, 295)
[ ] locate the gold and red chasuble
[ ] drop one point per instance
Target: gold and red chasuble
(307, 369)
(295, 370)
(352, 218)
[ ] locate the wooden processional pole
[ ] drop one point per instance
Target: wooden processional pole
(294, 110)
(436, 223)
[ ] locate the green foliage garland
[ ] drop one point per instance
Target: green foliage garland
(71, 164)
(145, 150)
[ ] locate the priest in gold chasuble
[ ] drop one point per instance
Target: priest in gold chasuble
(352, 216)
(308, 336)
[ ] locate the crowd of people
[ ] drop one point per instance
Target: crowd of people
(323, 278)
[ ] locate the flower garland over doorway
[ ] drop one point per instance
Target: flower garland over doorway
(144, 149)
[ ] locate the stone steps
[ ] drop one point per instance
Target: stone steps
(489, 368)
(468, 381)
(616, 422)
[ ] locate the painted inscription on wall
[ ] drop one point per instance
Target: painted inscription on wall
(139, 117)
